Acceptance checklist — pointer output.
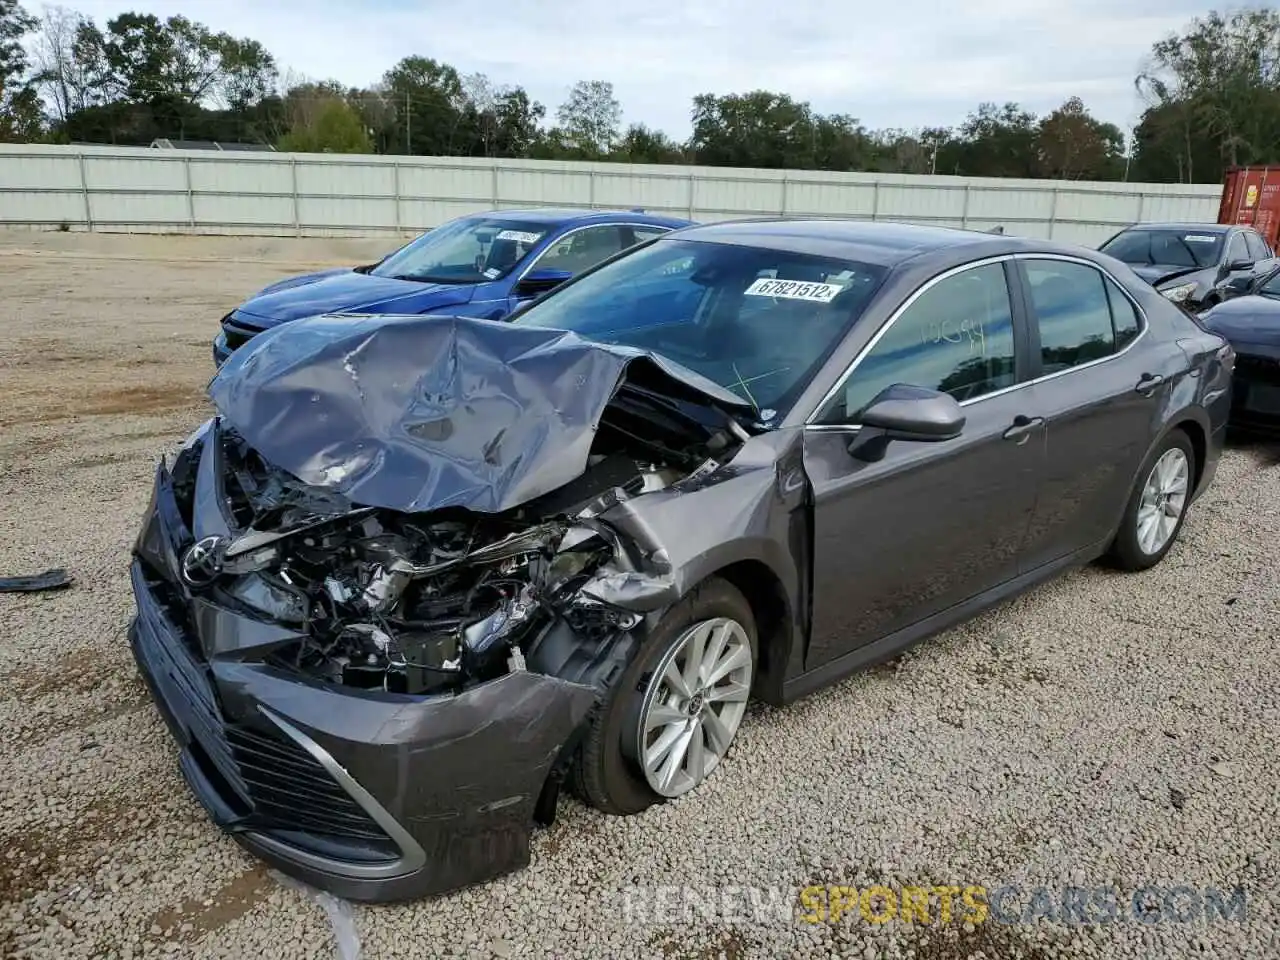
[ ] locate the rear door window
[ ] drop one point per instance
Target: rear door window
(1257, 246)
(1073, 312)
(1125, 320)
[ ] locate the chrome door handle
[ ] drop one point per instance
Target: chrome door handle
(1148, 382)
(1022, 428)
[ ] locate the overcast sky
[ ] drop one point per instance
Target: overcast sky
(888, 64)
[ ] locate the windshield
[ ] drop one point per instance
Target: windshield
(1174, 248)
(755, 321)
(467, 250)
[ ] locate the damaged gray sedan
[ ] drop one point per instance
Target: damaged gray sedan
(419, 572)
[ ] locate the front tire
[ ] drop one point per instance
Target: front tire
(1157, 506)
(674, 713)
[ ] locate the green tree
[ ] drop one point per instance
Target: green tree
(20, 115)
(497, 121)
(180, 60)
(1213, 97)
(323, 122)
(642, 144)
(589, 118)
(996, 141)
(428, 99)
(755, 129)
(840, 142)
(1073, 145)
(70, 62)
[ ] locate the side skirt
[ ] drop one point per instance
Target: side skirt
(888, 647)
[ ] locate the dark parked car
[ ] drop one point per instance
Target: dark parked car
(1194, 264)
(483, 265)
(419, 570)
(1251, 323)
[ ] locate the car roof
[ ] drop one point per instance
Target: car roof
(883, 243)
(557, 216)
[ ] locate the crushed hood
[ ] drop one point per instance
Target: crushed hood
(1158, 273)
(422, 412)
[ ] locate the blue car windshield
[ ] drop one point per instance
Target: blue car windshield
(754, 320)
(467, 250)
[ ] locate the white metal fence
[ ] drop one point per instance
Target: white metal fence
(118, 189)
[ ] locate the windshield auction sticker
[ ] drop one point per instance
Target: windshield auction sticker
(793, 290)
(1199, 238)
(519, 236)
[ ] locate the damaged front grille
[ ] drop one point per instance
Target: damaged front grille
(271, 783)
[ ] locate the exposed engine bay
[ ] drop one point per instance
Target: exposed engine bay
(431, 602)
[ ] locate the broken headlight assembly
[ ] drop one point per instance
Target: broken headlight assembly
(415, 604)
(1179, 293)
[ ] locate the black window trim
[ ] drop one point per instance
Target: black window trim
(1025, 330)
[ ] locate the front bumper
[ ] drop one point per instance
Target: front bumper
(221, 351)
(371, 796)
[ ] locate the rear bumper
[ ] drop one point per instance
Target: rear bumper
(371, 796)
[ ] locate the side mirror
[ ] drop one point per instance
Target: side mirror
(537, 282)
(1234, 265)
(905, 412)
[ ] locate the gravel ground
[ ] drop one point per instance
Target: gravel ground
(1104, 730)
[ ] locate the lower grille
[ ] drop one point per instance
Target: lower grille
(271, 781)
(290, 790)
(236, 335)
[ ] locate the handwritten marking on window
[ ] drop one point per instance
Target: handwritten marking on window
(970, 332)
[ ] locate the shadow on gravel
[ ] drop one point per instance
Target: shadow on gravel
(719, 945)
(1264, 448)
(194, 919)
(993, 940)
(43, 856)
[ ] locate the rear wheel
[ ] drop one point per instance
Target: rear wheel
(676, 710)
(1157, 506)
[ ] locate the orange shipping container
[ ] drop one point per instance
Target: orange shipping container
(1251, 197)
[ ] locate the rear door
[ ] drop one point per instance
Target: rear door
(1102, 378)
(929, 525)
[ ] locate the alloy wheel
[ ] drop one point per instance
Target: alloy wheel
(693, 705)
(1164, 497)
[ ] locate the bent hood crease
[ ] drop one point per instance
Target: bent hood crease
(416, 413)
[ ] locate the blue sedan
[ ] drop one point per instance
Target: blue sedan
(483, 265)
